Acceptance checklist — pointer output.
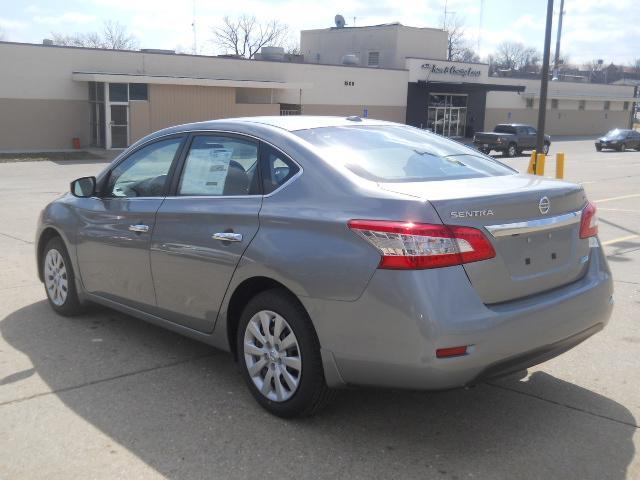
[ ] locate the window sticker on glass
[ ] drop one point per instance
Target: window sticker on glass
(207, 170)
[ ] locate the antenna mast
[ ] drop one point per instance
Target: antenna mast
(193, 26)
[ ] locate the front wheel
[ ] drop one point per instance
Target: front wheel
(486, 151)
(279, 356)
(598, 148)
(59, 279)
(622, 147)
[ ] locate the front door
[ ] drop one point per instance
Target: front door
(203, 229)
(119, 126)
(116, 228)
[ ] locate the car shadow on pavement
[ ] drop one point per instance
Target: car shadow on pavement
(183, 409)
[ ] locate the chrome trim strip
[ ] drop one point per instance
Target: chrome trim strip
(531, 226)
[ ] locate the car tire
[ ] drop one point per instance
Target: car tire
(622, 147)
(486, 151)
(545, 148)
(511, 150)
(59, 279)
(598, 148)
(279, 356)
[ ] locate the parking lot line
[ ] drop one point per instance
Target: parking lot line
(610, 199)
(619, 239)
(618, 210)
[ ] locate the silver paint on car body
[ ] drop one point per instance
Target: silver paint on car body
(297, 236)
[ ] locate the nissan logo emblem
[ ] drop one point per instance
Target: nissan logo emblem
(544, 205)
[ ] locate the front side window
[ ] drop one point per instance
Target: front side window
(400, 154)
(144, 173)
(220, 166)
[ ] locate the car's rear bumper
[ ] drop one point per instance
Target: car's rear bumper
(389, 336)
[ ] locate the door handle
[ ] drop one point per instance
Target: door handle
(139, 228)
(227, 236)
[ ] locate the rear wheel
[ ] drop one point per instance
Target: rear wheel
(279, 356)
(486, 151)
(59, 279)
(622, 147)
(545, 149)
(511, 150)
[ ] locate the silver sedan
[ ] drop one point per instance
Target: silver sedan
(324, 252)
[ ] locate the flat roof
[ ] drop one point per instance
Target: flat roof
(183, 80)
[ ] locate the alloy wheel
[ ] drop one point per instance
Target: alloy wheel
(55, 277)
(272, 356)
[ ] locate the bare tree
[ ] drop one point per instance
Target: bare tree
(516, 56)
(114, 36)
(458, 47)
(245, 36)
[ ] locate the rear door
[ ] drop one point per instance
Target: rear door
(205, 225)
(115, 229)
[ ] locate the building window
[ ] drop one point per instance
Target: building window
(118, 92)
(625, 106)
(607, 105)
(554, 103)
(582, 104)
(374, 59)
(290, 109)
(97, 124)
(529, 102)
(138, 91)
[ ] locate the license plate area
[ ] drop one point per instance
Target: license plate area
(538, 253)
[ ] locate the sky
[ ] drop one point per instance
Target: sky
(592, 29)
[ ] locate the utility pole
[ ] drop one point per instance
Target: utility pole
(544, 81)
(556, 59)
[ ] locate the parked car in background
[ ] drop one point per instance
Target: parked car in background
(619, 139)
(325, 252)
(510, 138)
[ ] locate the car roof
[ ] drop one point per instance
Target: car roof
(291, 122)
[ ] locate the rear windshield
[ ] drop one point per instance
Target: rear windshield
(400, 154)
(504, 129)
(616, 134)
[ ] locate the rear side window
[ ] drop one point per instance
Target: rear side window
(219, 165)
(504, 129)
(277, 169)
(400, 154)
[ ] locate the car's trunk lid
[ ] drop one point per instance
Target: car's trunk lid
(535, 251)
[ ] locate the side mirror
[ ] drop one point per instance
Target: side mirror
(84, 187)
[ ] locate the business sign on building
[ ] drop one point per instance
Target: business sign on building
(421, 69)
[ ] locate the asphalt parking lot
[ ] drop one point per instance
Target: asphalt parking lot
(107, 396)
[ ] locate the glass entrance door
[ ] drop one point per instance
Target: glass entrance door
(119, 126)
(447, 114)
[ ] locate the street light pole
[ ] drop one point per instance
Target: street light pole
(544, 82)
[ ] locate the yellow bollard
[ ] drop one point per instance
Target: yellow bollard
(560, 165)
(532, 163)
(540, 164)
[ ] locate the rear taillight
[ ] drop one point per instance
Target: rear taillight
(589, 222)
(406, 245)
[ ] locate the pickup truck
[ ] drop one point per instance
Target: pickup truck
(509, 138)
